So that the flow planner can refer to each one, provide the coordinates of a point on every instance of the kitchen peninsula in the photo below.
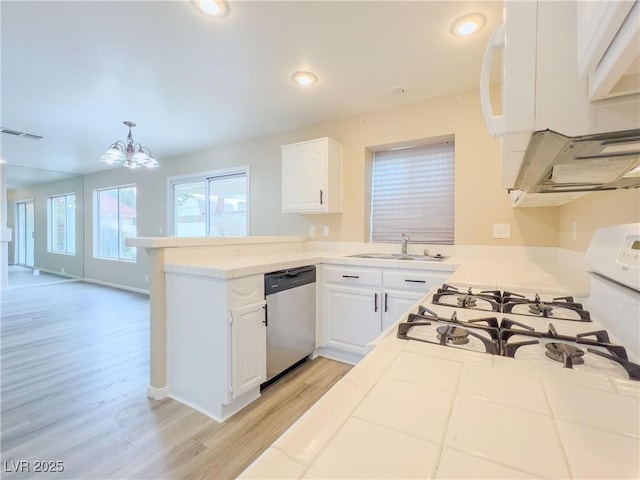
(426, 399)
(225, 259)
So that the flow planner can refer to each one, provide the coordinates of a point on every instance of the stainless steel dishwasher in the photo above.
(291, 317)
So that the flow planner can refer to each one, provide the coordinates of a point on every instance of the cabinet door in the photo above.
(248, 348)
(598, 23)
(395, 304)
(304, 177)
(352, 317)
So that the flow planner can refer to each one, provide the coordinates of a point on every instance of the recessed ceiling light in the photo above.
(215, 8)
(2, 161)
(468, 24)
(304, 78)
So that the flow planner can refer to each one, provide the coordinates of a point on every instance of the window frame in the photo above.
(51, 223)
(369, 175)
(96, 224)
(205, 177)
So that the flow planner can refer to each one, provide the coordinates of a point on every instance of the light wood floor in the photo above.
(21, 277)
(74, 374)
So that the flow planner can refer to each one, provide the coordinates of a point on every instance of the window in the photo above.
(413, 192)
(212, 204)
(115, 220)
(62, 224)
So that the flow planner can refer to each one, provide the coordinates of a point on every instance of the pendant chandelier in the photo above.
(129, 154)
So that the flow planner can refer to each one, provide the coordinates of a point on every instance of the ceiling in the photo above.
(72, 72)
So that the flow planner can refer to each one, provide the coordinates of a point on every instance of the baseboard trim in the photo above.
(55, 272)
(338, 355)
(116, 285)
(157, 393)
(198, 408)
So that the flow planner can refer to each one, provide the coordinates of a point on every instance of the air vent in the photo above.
(15, 133)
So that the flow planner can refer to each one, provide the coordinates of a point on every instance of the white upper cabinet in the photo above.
(609, 47)
(542, 87)
(312, 177)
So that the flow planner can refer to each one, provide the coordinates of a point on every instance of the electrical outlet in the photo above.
(62, 270)
(325, 230)
(312, 231)
(146, 278)
(501, 230)
(574, 230)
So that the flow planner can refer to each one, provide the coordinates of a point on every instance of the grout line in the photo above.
(557, 430)
(446, 429)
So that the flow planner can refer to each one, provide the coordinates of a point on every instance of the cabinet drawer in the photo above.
(245, 290)
(414, 280)
(353, 276)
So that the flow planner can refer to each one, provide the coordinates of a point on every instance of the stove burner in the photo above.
(465, 301)
(558, 351)
(541, 309)
(454, 335)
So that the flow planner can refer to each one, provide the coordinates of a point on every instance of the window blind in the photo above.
(413, 193)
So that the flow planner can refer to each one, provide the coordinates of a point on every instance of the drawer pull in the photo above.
(350, 276)
(386, 302)
(414, 281)
(376, 303)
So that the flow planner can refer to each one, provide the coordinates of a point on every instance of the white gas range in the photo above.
(599, 334)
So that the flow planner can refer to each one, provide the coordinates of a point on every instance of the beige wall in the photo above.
(595, 210)
(480, 200)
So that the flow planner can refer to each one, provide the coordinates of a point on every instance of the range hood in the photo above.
(564, 168)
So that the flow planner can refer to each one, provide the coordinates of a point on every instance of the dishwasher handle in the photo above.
(281, 280)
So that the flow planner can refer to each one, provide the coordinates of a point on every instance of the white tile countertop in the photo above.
(540, 272)
(242, 265)
(415, 410)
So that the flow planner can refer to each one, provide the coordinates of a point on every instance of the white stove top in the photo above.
(534, 354)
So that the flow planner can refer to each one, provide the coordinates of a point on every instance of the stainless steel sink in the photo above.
(400, 256)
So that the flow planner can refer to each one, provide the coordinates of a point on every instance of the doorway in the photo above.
(25, 235)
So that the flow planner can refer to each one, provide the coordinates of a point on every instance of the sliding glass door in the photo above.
(25, 242)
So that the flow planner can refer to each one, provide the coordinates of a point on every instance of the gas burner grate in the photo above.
(452, 334)
(488, 300)
(567, 354)
(563, 308)
(496, 338)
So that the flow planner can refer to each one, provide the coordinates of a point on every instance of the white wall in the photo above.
(72, 264)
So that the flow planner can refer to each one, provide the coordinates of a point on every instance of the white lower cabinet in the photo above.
(353, 317)
(248, 351)
(359, 303)
(216, 341)
(397, 303)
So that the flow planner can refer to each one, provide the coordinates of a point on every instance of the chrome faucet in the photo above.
(403, 242)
